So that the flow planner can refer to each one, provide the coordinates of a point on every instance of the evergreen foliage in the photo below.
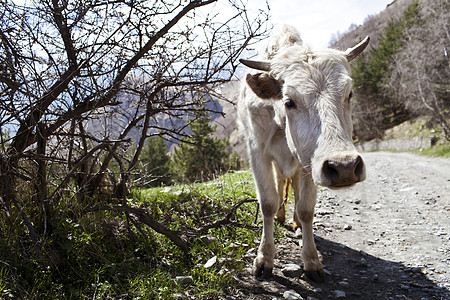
(370, 74)
(156, 162)
(200, 156)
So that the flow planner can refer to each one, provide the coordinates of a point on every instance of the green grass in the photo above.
(100, 254)
(438, 150)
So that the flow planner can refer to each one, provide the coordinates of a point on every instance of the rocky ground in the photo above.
(385, 238)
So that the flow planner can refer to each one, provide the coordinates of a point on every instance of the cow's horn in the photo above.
(256, 64)
(351, 53)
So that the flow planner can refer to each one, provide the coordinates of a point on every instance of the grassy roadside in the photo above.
(421, 127)
(107, 255)
(438, 150)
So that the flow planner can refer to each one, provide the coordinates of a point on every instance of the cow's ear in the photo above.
(264, 86)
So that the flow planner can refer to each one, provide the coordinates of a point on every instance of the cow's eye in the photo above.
(289, 104)
(350, 96)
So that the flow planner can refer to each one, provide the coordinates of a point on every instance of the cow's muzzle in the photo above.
(343, 171)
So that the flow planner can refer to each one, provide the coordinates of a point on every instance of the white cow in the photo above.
(295, 115)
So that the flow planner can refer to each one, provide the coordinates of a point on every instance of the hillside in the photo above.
(226, 126)
(373, 26)
(405, 76)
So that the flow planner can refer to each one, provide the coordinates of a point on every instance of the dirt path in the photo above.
(385, 238)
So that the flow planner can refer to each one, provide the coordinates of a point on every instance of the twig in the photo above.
(145, 218)
(224, 221)
(28, 224)
(256, 214)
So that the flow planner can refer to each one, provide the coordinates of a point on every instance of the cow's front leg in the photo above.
(268, 200)
(306, 191)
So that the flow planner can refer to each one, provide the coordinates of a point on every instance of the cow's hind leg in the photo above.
(268, 200)
(305, 196)
(296, 222)
(280, 181)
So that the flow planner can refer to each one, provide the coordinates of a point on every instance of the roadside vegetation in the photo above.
(438, 150)
(421, 127)
(100, 254)
(153, 244)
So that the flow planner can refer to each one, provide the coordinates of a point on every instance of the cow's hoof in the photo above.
(262, 272)
(316, 275)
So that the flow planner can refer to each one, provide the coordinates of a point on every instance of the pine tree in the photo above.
(155, 162)
(200, 156)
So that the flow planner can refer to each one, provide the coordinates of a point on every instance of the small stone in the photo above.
(375, 207)
(292, 270)
(210, 262)
(179, 296)
(178, 193)
(323, 211)
(317, 290)
(343, 283)
(298, 233)
(184, 280)
(251, 251)
(166, 190)
(405, 287)
(238, 245)
(370, 242)
(291, 295)
(225, 260)
(347, 227)
(339, 294)
(223, 271)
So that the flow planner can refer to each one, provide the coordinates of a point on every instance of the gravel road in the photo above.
(385, 238)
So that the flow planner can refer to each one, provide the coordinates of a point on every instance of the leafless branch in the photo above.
(182, 239)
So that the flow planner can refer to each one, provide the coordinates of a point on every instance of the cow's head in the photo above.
(313, 89)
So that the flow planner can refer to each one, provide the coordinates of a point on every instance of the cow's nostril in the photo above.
(359, 167)
(330, 170)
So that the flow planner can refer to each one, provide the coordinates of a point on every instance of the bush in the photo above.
(109, 255)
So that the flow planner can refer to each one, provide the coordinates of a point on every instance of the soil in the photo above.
(385, 238)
